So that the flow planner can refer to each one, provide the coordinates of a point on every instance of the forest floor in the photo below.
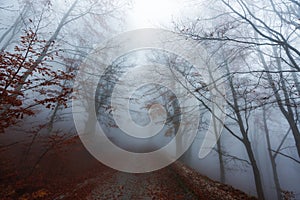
(72, 173)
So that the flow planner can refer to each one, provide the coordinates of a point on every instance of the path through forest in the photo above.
(76, 175)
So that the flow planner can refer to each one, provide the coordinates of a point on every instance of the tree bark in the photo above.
(272, 159)
(221, 162)
(255, 169)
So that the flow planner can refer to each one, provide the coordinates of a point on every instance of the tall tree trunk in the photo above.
(286, 110)
(220, 151)
(245, 140)
(255, 169)
(290, 113)
(221, 161)
(176, 124)
(273, 162)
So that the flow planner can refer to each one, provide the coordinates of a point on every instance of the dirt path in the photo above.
(76, 175)
(163, 184)
(174, 182)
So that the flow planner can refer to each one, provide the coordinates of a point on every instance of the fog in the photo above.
(254, 46)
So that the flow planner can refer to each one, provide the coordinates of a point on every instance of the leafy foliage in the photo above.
(24, 72)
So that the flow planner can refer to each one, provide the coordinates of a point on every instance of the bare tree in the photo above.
(271, 156)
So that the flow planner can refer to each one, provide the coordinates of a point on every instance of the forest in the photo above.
(140, 99)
